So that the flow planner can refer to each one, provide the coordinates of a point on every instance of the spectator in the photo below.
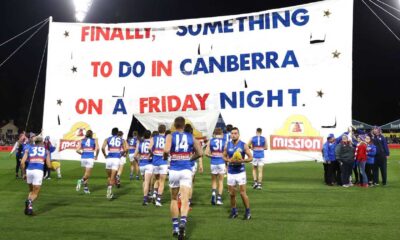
(382, 152)
(361, 159)
(330, 162)
(371, 151)
(345, 155)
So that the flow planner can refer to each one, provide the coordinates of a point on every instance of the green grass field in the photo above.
(294, 204)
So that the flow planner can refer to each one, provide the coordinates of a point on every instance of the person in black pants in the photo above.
(18, 149)
(328, 153)
(382, 152)
(371, 152)
(345, 155)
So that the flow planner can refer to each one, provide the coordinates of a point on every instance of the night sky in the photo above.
(376, 52)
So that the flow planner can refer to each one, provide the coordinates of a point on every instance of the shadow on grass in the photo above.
(53, 205)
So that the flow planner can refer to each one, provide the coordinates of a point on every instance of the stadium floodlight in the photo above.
(81, 9)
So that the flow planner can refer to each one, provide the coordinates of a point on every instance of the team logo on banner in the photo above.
(297, 134)
(71, 139)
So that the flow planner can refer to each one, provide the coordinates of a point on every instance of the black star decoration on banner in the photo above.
(327, 13)
(59, 102)
(320, 93)
(336, 54)
(74, 69)
(66, 34)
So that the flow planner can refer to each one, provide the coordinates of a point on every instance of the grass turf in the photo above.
(294, 204)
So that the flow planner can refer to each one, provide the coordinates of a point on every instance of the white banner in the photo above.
(287, 71)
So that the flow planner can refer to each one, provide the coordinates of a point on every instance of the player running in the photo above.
(189, 129)
(142, 154)
(258, 144)
(89, 149)
(180, 145)
(122, 160)
(157, 145)
(132, 142)
(114, 145)
(215, 150)
(234, 154)
(37, 156)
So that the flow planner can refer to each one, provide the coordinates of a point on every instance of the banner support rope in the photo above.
(398, 38)
(20, 46)
(37, 80)
(9, 40)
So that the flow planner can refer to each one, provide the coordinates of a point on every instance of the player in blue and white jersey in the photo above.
(37, 156)
(122, 161)
(143, 155)
(237, 171)
(89, 149)
(189, 129)
(157, 145)
(215, 150)
(183, 148)
(227, 134)
(113, 157)
(132, 142)
(258, 144)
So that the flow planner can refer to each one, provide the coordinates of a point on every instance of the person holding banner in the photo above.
(89, 151)
(143, 155)
(258, 144)
(183, 148)
(37, 156)
(132, 142)
(234, 155)
(18, 150)
(114, 145)
(157, 145)
(214, 151)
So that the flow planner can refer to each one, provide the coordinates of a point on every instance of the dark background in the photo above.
(376, 52)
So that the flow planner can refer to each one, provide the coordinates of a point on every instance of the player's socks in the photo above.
(58, 172)
(255, 184)
(247, 215)
(183, 220)
(118, 178)
(219, 199)
(155, 194)
(145, 199)
(175, 226)
(78, 185)
(182, 227)
(131, 176)
(213, 196)
(30, 207)
(158, 200)
(234, 213)
(109, 191)
(26, 206)
(137, 177)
